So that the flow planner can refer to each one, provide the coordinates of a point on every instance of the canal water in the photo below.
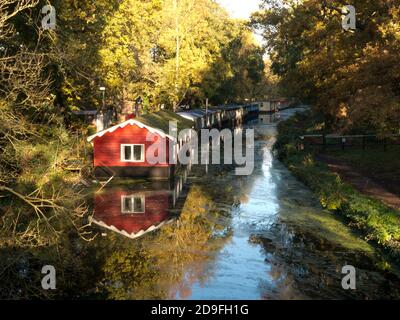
(214, 235)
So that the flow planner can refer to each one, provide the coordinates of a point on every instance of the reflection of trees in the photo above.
(307, 248)
(20, 269)
(16, 276)
(306, 266)
(160, 265)
(169, 262)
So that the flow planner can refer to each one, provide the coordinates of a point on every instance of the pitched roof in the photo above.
(132, 231)
(161, 119)
(189, 115)
(85, 112)
(157, 123)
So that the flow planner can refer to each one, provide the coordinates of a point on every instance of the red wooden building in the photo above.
(131, 214)
(120, 151)
(136, 212)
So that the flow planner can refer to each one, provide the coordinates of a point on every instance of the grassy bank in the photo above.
(378, 222)
(42, 178)
(382, 167)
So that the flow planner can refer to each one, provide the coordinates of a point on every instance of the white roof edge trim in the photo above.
(125, 233)
(130, 122)
(189, 116)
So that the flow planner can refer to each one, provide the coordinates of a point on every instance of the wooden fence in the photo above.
(348, 141)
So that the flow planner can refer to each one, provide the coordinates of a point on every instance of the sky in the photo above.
(242, 9)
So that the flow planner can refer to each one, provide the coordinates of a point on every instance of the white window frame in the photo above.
(142, 158)
(142, 198)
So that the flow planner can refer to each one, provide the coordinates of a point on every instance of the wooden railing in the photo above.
(347, 141)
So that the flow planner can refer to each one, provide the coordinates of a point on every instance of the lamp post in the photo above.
(207, 112)
(138, 105)
(103, 90)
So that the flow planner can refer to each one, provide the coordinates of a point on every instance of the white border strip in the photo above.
(130, 122)
(125, 233)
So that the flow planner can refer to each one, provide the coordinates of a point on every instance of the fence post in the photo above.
(363, 142)
(300, 145)
(324, 141)
(385, 144)
(343, 143)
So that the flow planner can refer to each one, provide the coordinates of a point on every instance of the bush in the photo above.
(378, 222)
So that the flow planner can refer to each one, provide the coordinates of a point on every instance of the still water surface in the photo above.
(214, 235)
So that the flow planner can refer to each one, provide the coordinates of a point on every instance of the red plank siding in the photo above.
(107, 209)
(107, 149)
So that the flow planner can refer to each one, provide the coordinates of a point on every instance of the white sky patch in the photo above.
(242, 9)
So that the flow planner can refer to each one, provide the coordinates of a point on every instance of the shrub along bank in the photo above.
(377, 221)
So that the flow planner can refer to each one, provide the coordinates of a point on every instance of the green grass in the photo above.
(378, 222)
(381, 166)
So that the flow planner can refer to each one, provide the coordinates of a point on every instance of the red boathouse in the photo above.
(131, 214)
(141, 210)
(120, 151)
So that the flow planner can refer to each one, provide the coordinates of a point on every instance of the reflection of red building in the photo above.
(131, 213)
(134, 213)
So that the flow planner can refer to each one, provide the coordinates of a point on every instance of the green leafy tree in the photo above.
(351, 77)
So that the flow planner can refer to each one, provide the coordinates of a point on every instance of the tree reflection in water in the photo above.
(291, 247)
(165, 264)
(162, 263)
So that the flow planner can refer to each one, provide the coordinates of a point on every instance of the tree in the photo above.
(350, 77)
(245, 78)
(129, 53)
(35, 194)
(199, 52)
(75, 52)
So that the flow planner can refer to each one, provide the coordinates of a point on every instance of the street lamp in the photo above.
(207, 112)
(103, 90)
(138, 105)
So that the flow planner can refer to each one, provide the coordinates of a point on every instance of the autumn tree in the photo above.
(175, 52)
(35, 192)
(351, 77)
(75, 51)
